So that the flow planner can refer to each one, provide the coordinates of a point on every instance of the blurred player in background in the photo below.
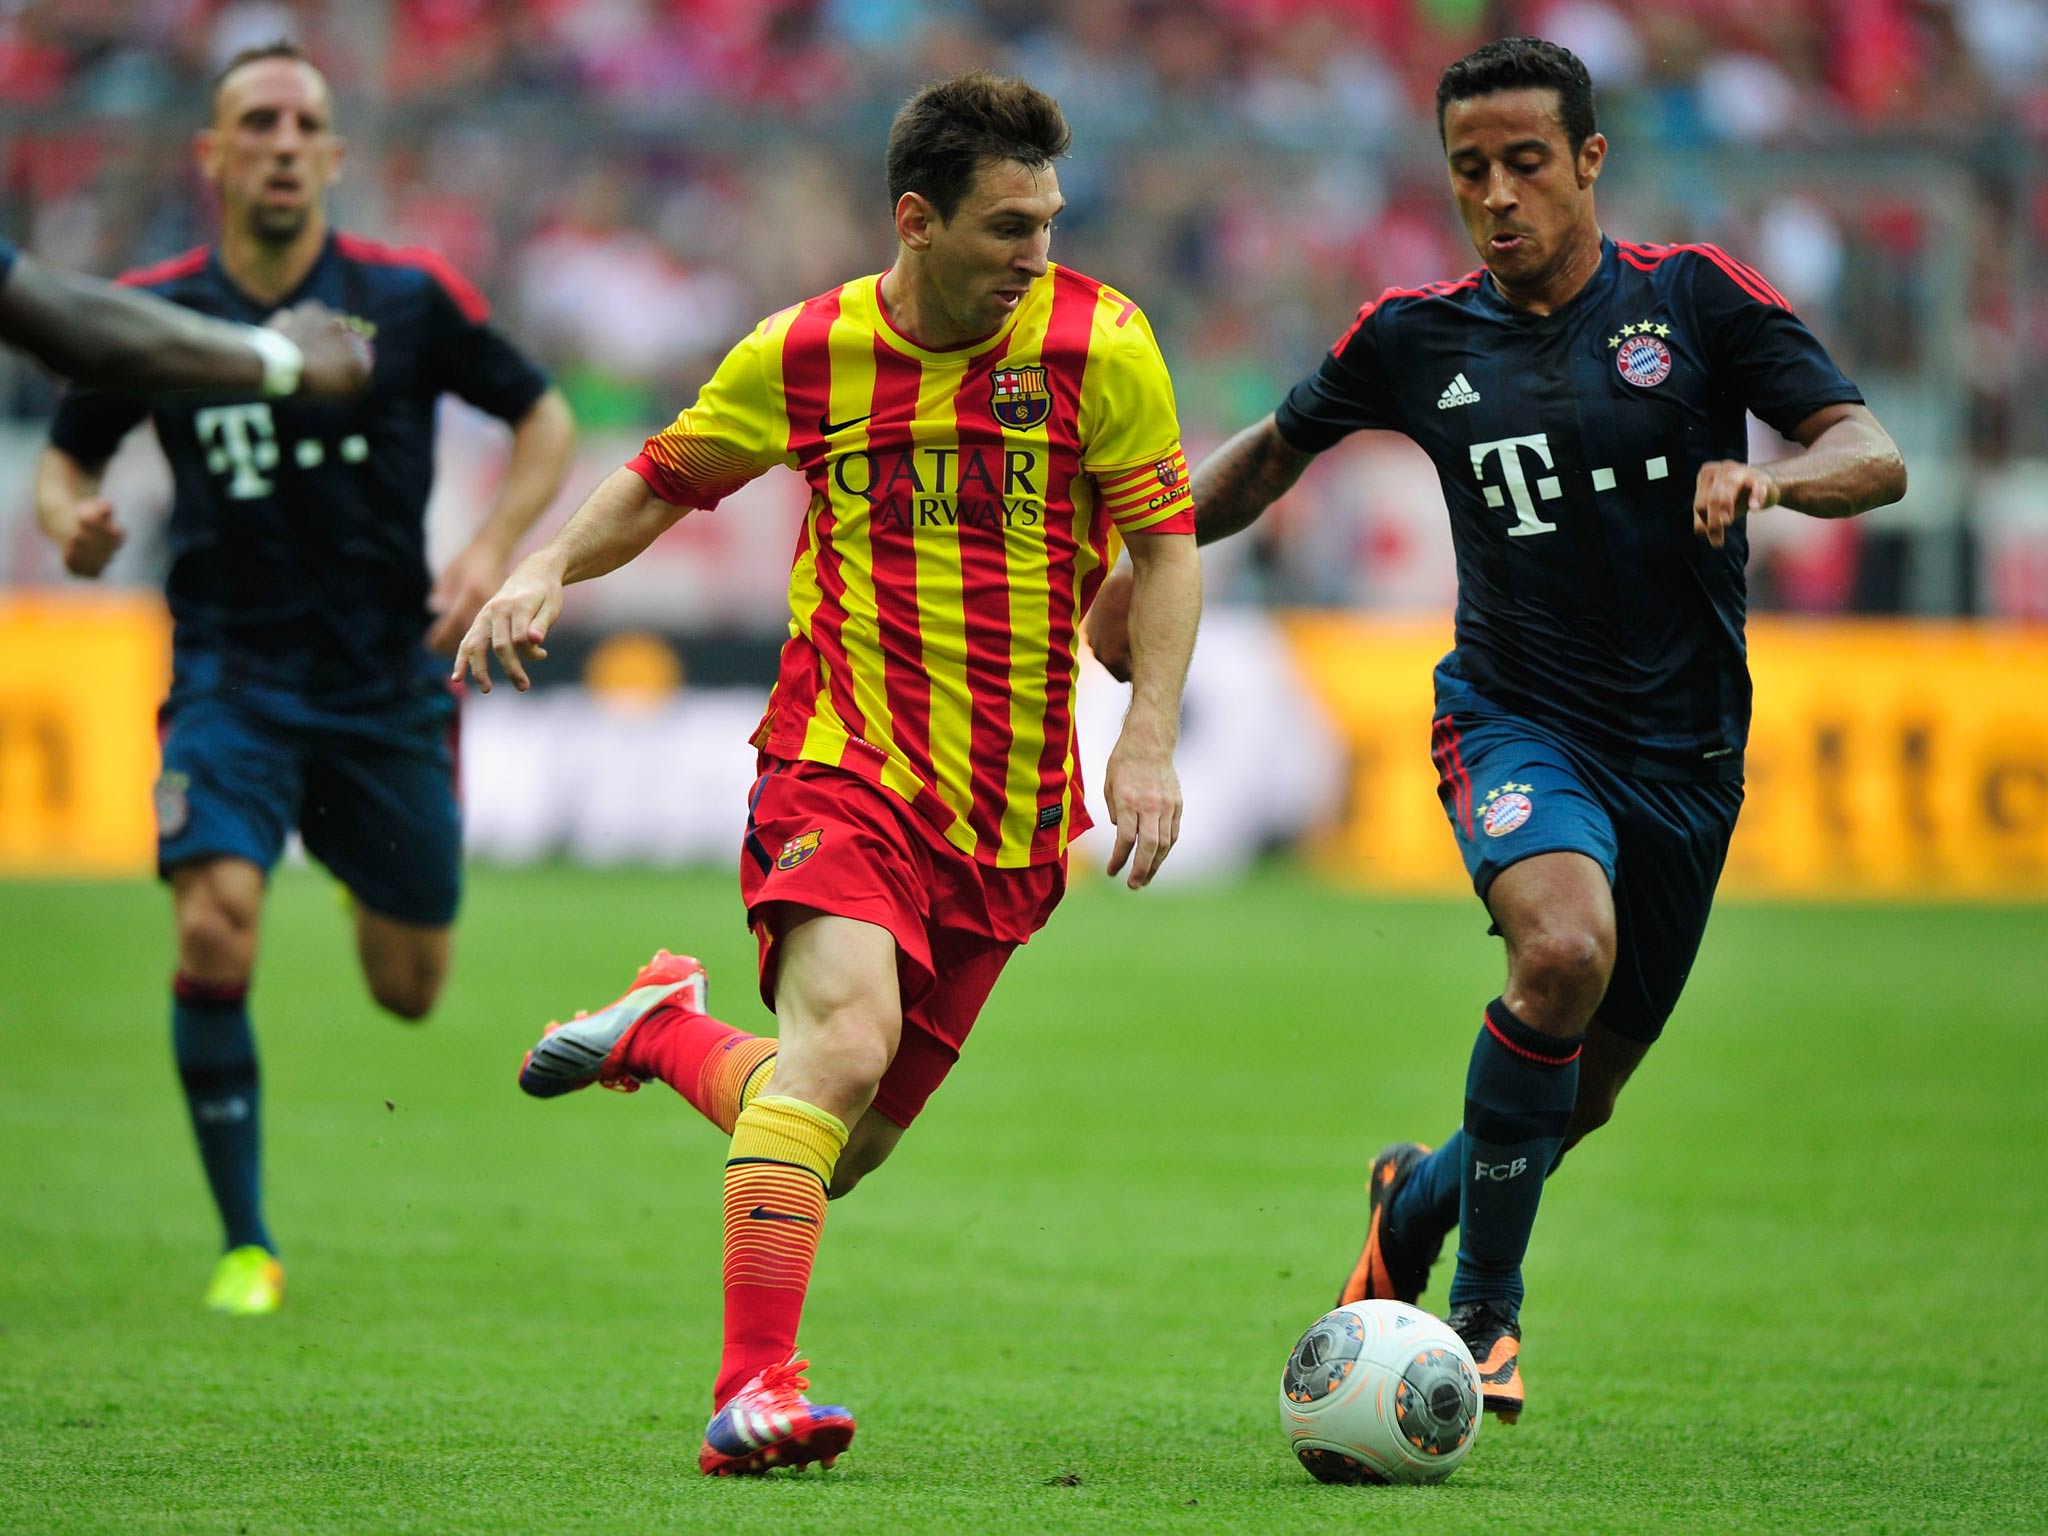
(979, 430)
(302, 694)
(100, 333)
(1583, 401)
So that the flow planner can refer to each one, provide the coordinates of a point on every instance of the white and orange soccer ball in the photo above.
(1380, 1392)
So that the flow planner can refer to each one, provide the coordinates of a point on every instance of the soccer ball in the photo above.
(1380, 1392)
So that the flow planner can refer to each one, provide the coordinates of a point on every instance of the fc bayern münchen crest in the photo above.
(1505, 813)
(1643, 361)
(1020, 397)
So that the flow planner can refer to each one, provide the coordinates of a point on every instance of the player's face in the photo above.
(1526, 199)
(982, 261)
(271, 150)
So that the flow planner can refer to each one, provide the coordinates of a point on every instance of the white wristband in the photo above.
(283, 362)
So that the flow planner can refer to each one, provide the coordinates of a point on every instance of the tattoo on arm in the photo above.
(1242, 478)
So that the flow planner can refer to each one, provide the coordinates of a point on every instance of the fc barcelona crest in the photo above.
(1020, 397)
(798, 848)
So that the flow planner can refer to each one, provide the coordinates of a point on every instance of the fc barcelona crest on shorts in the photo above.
(1020, 397)
(798, 848)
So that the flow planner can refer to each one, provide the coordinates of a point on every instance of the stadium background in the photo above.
(633, 182)
(1786, 1290)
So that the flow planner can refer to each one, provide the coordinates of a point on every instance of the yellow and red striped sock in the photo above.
(783, 1154)
(719, 1069)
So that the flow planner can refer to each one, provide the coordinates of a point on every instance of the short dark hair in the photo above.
(1517, 64)
(276, 48)
(948, 128)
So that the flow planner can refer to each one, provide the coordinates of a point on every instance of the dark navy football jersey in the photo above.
(1569, 445)
(7, 255)
(297, 533)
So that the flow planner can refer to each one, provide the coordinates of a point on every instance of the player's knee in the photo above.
(1561, 974)
(216, 940)
(836, 1061)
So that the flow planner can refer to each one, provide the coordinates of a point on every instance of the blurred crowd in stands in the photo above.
(635, 181)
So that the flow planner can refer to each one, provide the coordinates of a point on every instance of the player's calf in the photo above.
(405, 964)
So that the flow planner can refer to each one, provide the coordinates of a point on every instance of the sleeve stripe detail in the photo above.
(1436, 290)
(659, 481)
(702, 472)
(165, 271)
(466, 295)
(1181, 515)
(1646, 258)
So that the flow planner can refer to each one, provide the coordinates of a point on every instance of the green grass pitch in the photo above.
(1795, 1286)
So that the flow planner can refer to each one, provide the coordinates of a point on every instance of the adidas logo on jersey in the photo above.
(1458, 392)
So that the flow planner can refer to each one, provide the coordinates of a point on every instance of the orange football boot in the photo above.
(591, 1048)
(1383, 1273)
(1494, 1336)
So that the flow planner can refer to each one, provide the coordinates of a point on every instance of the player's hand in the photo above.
(1143, 794)
(512, 625)
(1727, 490)
(95, 537)
(460, 592)
(338, 356)
(1109, 624)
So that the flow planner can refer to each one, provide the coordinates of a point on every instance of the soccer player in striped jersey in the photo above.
(1583, 400)
(980, 431)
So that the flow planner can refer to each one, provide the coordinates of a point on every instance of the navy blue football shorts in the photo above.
(372, 790)
(1514, 789)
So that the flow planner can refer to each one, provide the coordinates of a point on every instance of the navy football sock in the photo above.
(216, 1055)
(1519, 1092)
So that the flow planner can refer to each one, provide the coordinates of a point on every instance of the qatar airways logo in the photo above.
(987, 488)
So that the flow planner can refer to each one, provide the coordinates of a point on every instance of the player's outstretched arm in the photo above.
(1236, 483)
(621, 517)
(541, 440)
(73, 513)
(1232, 487)
(1139, 785)
(1848, 464)
(100, 333)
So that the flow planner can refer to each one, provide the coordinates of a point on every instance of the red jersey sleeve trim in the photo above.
(659, 481)
(467, 297)
(1647, 258)
(1436, 290)
(165, 271)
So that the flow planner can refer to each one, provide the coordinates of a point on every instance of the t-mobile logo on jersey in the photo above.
(1509, 452)
(1547, 487)
(1499, 1173)
(241, 442)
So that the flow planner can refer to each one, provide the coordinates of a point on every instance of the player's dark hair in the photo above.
(948, 128)
(277, 48)
(1523, 64)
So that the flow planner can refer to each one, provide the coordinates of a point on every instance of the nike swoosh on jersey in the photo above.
(827, 428)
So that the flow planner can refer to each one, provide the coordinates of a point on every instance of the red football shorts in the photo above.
(832, 841)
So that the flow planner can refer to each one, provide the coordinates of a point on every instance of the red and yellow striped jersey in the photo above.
(965, 505)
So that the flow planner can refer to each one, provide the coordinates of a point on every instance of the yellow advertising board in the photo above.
(1892, 760)
(1905, 760)
(81, 676)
